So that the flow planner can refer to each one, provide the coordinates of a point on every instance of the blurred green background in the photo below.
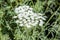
(9, 30)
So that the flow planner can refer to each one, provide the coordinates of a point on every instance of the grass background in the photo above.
(9, 30)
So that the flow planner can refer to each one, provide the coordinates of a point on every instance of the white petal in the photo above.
(17, 21)
(41, 23)
(15, 17)
(28, 26)
(21, 25)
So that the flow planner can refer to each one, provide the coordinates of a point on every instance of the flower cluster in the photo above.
(26, 17)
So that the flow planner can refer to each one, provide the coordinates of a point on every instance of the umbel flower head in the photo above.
(28, 18)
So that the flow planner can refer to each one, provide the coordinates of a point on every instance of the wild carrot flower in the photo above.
(28, 18)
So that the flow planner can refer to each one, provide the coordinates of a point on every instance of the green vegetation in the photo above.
(9, 30)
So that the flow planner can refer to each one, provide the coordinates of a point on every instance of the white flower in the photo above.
(29, 23)
(21, 25)
(15, 17)
(31, 9)
(31, 12)
(35, 15)
(41, 23)
(32, 21)
(28, 20)
(28, 26)
(17, 21)
(20, 18)
(25, 22)
(40, 14)
(42, 18)
(26, 17)
(17, 10)
(20, 22)
(27, 7)
(32, 17)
